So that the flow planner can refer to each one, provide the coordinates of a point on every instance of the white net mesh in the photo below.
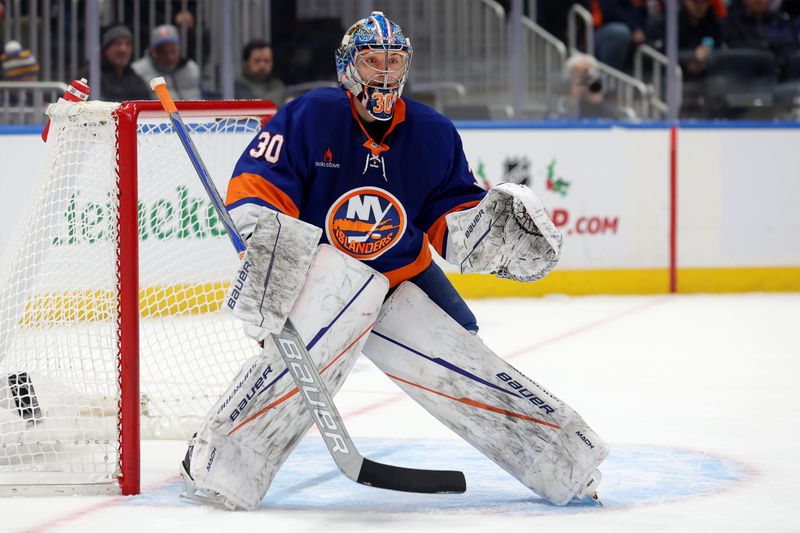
(59, 388)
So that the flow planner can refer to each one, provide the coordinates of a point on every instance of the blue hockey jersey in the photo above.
(380, 201)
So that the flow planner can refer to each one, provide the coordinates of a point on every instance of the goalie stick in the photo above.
(304, 371)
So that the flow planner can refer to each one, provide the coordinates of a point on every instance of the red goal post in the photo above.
(128, 115)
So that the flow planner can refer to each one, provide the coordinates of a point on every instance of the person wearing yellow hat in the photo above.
(19, 64)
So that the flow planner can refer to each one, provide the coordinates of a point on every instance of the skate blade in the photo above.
(206, 498)
(590, 489)
(189, 491)
(596, 499)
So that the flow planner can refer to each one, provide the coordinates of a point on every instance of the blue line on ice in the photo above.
(632, 475)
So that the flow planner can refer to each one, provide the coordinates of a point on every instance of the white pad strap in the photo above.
(519, 425)
(259, 420)
(273, 271)
(509, 233)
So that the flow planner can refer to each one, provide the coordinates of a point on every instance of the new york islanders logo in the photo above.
(365, 222)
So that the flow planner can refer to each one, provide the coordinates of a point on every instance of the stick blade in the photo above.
(391, 477)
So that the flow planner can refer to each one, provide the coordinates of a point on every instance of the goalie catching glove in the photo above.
(508, 234)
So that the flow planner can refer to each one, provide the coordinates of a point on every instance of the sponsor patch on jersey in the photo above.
(327, 160)
(365, 222)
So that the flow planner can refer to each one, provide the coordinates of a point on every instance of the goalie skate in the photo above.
(590, 490)
(190, 490)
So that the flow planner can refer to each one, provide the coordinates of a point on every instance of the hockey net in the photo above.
(110, 320)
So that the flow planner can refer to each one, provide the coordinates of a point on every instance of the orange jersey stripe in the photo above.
(254, 186)
(399, 275)
(478, 404)
(398, 117)
(437, 230)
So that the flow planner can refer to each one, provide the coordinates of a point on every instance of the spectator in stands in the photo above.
(585, 95)
(619, 28)
(720, 8)
(751, 24)
(791, 8)
(19, 64)
(184, 17)
(552, 16)
(257, 81)
(118, 81)
(164, 59)
(699, 33)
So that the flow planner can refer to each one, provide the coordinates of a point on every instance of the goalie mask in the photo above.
(372, 63)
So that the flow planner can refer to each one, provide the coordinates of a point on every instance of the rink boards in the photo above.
(719, 217)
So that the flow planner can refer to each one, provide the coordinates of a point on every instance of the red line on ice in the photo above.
(99, 506)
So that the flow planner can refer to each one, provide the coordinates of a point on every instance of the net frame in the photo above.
(126, 118)
(128, 115)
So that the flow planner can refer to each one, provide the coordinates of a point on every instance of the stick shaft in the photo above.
(197, 162)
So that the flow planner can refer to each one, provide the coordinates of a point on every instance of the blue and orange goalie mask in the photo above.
(373, 62)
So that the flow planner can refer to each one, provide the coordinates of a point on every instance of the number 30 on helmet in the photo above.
(372, 63)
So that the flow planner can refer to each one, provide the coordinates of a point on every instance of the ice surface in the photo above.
(696, 395)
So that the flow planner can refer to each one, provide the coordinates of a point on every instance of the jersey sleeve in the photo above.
(456, 191)
(268, 174)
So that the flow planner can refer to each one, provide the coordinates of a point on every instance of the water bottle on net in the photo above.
(77, 91)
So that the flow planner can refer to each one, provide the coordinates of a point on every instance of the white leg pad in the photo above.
(259, 421)
(526, 430)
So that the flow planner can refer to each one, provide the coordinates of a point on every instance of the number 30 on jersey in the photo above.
(269, 146)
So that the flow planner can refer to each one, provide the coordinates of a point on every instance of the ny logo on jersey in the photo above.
(365, 222)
